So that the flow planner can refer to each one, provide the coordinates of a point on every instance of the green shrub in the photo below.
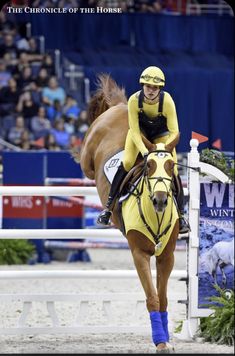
(219, 160)
(15, 251)
(219, 326)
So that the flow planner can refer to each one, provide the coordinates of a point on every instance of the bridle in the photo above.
(138, 193)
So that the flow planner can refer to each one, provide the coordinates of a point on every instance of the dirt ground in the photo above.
(94, 343)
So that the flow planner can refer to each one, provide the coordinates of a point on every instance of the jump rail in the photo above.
(49, 191)
(81, 274)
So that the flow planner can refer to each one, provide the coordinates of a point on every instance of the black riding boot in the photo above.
(183, 223)
(104, 216)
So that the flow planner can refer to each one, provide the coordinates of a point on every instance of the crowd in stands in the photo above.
(36, 111)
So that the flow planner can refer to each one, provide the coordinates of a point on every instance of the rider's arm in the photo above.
(169, 111)
(134, 124)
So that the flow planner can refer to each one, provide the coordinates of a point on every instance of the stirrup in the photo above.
(184, 226)
(104, 217)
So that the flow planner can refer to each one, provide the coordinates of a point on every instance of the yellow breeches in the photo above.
(131, 152)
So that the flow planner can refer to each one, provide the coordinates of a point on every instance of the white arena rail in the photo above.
(49, 191)
(59, 233)
(79, 326)
(81, 274)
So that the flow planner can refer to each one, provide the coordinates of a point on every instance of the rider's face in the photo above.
(151, 91)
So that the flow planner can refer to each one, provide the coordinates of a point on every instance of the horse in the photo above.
(146, 213)
(219, 256)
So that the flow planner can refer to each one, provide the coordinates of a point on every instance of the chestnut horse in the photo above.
(108, 117)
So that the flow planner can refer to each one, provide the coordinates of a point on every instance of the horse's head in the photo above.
(159, 176)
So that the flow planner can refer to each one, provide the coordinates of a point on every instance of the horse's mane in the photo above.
(107, 94)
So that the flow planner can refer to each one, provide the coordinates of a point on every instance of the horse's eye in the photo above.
(161, 155)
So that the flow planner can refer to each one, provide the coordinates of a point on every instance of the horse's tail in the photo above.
(108, 94)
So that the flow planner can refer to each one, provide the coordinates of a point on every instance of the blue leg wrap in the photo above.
(158, 333)
(164, 317)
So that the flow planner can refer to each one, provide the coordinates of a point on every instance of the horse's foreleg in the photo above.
(142, 264)
(142, 250)
(164, 268)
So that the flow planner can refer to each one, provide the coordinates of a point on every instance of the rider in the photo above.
(151, 112)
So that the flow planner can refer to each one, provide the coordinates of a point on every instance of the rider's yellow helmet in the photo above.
(152, 75)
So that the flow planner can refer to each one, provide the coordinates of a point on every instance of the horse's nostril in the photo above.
(165, 202)
(160, 203)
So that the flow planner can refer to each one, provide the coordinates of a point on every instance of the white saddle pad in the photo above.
(111, 166)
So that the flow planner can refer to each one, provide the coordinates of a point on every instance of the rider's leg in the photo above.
(130, 155)
(183, 223)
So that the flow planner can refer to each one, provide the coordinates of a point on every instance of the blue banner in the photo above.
(216, 241)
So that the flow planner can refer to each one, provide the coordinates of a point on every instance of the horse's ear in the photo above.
(170, 146)
(150, 146)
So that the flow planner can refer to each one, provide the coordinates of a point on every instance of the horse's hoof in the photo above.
(169, 349)
(163, 351)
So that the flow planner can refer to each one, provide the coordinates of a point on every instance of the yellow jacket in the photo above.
(151, 110)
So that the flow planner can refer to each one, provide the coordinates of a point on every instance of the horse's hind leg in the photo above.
(142, 250)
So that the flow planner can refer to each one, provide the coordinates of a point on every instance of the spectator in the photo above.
(6, 25)
(62, 137)
(42, 78)
(40, 125)
(23, 61)
(71, 108)
(50, 143)
(69, 125)
(47, 63)
(156, 6)
(52, 92)
(26, 106)
(22, 44)
(55, 111)
(33, 51)
(8, 47)
(15, 132)
(74, 143)
(33, 47)
(25, 140)
(82, 124)
(25, 78)
(5, 75)
(9, 97)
